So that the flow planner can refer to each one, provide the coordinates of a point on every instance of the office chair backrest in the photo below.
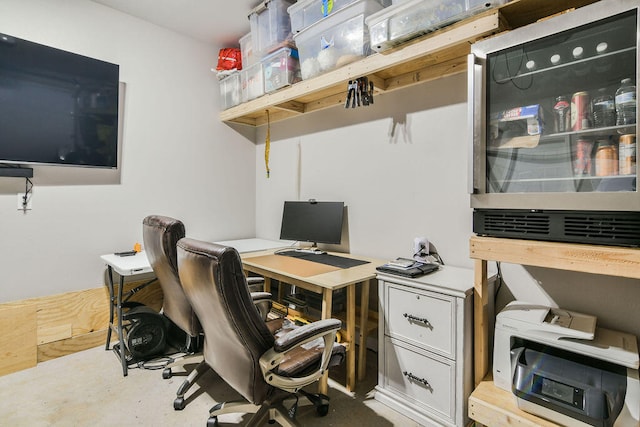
(161, 234)
(235, 335)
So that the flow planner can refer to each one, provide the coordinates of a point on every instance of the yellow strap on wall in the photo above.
(267, 145)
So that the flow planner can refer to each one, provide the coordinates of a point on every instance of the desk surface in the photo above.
(255, 244)
(128, 265)
(309, 272)
(139, 263)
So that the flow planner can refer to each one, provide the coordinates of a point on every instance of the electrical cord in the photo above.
(28, 188)
(499, 281)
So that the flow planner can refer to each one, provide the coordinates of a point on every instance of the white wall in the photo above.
(413, 184)
(396, 187)
(178, 158)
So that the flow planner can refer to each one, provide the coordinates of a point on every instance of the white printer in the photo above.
(561, 367)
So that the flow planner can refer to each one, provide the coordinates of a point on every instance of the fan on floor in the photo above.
(145, 334)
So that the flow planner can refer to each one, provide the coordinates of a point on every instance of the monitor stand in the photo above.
(313, 249)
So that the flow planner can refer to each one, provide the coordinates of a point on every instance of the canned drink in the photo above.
(580, 111)
(582, 157)
(627, 154)
(606, 159)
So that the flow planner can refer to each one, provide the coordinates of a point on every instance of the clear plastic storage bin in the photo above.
(252, 82)
(280, 69)
(246, 50)
(412, 18)
(270, 26)
(230, 92)
(336, 40)
(304, 13)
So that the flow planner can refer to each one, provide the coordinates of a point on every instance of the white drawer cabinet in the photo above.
(425, 340)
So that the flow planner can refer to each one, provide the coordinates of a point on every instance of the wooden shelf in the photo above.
(492, 406)
(595, 259)
(488, 404)
(435, 55)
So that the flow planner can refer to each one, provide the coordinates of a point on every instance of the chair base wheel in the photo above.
(322, 410)
(179, 404)
(166, 373)
(212, 422)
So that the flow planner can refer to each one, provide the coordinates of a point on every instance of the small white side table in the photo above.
(125, 266)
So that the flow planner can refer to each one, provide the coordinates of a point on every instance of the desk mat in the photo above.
(290, 265)
(333, 260)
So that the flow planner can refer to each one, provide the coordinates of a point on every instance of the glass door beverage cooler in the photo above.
(552, 108)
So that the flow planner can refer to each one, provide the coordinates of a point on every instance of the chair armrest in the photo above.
(263, 302)
(271, 359)
(256, 284)
(305, 333)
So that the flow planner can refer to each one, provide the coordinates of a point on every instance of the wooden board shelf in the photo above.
(435, 55)
(492, 406)
(489, 405)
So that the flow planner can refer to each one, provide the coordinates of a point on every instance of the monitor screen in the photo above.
(56, 107)
(311, 221)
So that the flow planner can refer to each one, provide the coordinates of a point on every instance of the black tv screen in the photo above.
(316, 222)
(56, 107)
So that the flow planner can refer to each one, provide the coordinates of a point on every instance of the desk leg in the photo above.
(351, 333)
(120, 332)
(327, 302)
(112, 299)
(364, 327)
(267, 284)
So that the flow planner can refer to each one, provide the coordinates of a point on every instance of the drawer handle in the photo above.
(413, 318)
(410, 376)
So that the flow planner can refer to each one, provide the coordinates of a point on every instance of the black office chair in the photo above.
(239, 346)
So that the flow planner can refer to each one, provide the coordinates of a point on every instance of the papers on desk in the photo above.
(407, 268)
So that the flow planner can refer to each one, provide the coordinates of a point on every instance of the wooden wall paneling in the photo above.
(45, 328)
(17, 337)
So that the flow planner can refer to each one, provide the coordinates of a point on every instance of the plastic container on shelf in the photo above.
(246, 50)
(270, 26)
(336, 40)
(304, 13)
(626, 103)
(230, 92)
(412, 18)
(252, 82)
(280, 69)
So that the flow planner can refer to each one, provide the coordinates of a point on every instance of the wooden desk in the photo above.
(324, 279)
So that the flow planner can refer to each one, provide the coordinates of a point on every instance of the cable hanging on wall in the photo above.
(267, 145)
(28, 189)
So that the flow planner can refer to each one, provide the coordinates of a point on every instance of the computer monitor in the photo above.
(312, 221)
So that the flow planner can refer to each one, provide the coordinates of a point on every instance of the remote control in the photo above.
(127, 253)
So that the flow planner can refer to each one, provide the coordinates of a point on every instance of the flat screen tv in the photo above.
(56, 107)
(312, 221)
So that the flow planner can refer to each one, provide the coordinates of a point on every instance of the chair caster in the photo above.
(212, 422)
(166, 373)
(322, 410)
(179, 404)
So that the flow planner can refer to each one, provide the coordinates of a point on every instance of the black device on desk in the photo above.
(408, 268)
(315, 222)
(312, 221)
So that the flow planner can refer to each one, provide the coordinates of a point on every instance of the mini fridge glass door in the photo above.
(553, 108)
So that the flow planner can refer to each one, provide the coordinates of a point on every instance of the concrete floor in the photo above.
(88, 389)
